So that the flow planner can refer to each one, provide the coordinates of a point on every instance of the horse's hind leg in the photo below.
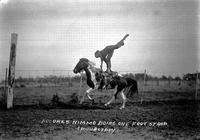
(124, 99)
(127, 91)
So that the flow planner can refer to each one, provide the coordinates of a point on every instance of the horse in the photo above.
(97, 79)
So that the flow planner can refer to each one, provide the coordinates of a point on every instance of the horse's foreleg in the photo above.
(110, 101)
(86, 94)
(124, 99)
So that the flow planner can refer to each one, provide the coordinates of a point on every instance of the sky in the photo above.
(54, 35)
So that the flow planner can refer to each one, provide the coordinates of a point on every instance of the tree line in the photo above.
(137, 76)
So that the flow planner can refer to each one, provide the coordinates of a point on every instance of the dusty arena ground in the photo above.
(157, 113)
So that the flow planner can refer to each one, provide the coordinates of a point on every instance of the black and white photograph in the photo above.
(99, 70)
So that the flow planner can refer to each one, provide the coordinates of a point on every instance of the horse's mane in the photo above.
(95, 69)
(91, 65)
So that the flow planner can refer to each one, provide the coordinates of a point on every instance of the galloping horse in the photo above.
(95, 77)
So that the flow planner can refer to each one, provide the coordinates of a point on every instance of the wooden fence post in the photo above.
(145, 82)
(70, 80)
(197, 84)
(169, 82)
(11, 71)
(157, 82)
(143, 86)
(179, 82)
(5, 86)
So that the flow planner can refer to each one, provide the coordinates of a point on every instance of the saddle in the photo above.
(107, 79)
(109, 74)
(105, 76)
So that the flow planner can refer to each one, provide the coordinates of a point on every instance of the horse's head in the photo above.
(82, 64)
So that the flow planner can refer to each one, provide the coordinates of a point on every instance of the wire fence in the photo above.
(69, 73)
(33, 86)
(145, 78)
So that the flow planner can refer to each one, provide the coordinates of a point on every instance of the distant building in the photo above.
(191, 76)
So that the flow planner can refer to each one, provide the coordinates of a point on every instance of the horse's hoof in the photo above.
(122, 108)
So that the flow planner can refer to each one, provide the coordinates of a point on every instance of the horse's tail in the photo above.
(133, 87)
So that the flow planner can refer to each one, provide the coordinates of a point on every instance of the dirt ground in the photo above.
(159, 115)
(169, 120)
